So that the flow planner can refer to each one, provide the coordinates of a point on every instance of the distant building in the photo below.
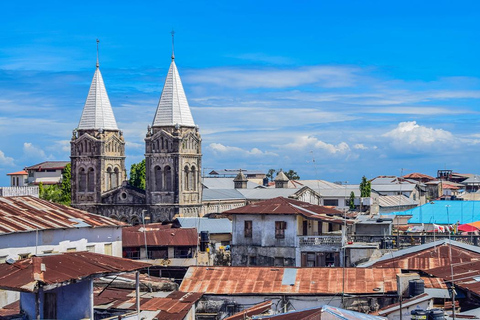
(47, 172)
(18, 179)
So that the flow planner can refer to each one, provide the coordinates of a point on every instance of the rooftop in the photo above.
(252, 311)
(27, 214)
(224, 183)
(157, 234)
(58, 165)
(285, 206)
(23, 173)
(466, 274)
(222, 225)
(49, 271)
(295, 281)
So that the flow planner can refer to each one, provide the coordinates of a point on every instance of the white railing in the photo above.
(319, 240)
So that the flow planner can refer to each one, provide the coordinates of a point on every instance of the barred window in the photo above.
(280, 227)
(248, 229)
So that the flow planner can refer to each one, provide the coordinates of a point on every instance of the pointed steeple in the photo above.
(173, 106)
(97, 112)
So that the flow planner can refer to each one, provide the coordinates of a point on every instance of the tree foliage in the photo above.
(59, 193)
(271, 174)
(291, 174)
(351, 201)
(365, 188)
(137, 175)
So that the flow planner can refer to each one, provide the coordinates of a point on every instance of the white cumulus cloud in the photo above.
(4, 160)
(222, 149)
(305, 142)
(411, 134)
(32, 151)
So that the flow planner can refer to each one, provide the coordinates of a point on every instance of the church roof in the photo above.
(173, 106)
(97, 112)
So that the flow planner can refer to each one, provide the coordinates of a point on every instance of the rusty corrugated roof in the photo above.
(175, 306)
(281, 205)
(432, 257)
(417, 175)
(27, 213)
(158, 235)
(30, 274)
(252, 311)
(297, 281)
(465, 275)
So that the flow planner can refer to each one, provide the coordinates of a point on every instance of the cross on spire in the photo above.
(97, 53)
(173, 44)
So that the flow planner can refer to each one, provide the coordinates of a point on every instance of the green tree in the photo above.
(271, 174)
(292, 175)
(365, 188)
(58, 193)
(351, 202)
(137, 175)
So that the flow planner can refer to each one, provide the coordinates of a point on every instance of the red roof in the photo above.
(173, 307)
(27, 213)
(429, 258)
(30, 274)
(417, 175)
(252, 311)
(23, 173)
(158, 235)
(295, 281)
(286, 206)
(465, 275)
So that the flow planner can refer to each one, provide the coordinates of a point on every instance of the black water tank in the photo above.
(419, 314)
(204, 236)
(436, 314)
(416, 287)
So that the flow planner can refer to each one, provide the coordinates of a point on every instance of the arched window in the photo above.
(193, 179)
(186, 179)
(158, 178)
(168, 178)
(108, 179)
(82, 180)
(163, 143)
(91, 180)
(115, 178)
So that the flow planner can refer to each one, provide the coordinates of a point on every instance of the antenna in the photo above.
(97, 53)
(173, 44)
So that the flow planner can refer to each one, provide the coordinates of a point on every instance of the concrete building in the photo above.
(18, 179)
(287, 232)
(47, 172)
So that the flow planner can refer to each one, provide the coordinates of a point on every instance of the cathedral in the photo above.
(173, 158)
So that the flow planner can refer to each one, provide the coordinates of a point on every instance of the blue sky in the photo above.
(334, 90)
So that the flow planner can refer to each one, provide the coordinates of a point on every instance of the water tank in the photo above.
(416, 287)
(436, 314)
(204, 236)
(419, 314)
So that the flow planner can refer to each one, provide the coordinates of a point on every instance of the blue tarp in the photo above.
(444, 212)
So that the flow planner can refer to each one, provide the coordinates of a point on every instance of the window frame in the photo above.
(248, 232)
(280, 227)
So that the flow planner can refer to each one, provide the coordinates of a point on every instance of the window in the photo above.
(248, 228)
(157, 253)
(280, 227)
(91, 248)
(279, 262)
(330, 202)
(107, 249)
(3, 259)
(252, 261)
(131, 253)
(183, 252)
(71, 249)
(47, 251)
(23, 255)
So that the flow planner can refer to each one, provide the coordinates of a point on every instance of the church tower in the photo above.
(97, 149)
(173, 154)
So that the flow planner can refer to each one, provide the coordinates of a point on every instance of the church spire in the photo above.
(173, 106)
(173, 44)
(97, 112)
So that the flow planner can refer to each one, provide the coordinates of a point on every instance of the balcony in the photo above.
(320, 241)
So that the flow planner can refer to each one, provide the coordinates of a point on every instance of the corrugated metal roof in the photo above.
(221, 194)
(473, 180)
(97, 112)
(252, 311)
(395, 201)
(48, 165)
(173, 307)
(426, 256)
(287, 206)
(173, 105)
(268, 280)
(417, 175)
(224, 183)
(465, 275)
(158, 235)
(436, 212)
(213, 226)
(268, 193)
(27, 213)
(30, 274)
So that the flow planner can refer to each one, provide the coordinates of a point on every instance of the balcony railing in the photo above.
(319, 240)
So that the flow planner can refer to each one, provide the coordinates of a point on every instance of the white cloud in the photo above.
(410, 134)
(31, 151)
(360, 146)
(4, 160)
(219, 148)
(305, 142)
